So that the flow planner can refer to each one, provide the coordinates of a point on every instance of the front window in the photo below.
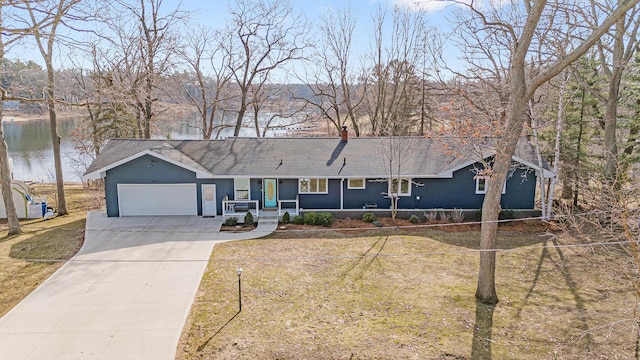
(356, 183)
(312, 186)
(481, 185)
(400, 187)
(241, 188)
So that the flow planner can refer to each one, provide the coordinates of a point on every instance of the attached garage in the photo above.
(157, 199)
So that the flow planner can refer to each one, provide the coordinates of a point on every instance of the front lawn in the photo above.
(410, 296)
(28, 259)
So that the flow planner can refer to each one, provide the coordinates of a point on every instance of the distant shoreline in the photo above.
(16, 116)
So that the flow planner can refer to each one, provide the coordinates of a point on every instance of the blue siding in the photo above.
(457, 192)
(372, 193)
(138, 171)
(224, 187)
(331, 200)
(287, 189)
(256, 190)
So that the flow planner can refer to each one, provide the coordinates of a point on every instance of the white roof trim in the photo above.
(545, 173)
(449, 172)
(102, 172)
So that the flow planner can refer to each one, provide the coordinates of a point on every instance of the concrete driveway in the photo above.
(125, 295)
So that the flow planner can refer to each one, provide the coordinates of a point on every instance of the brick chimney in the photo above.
(345, 134)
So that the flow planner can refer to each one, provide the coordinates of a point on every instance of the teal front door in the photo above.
(270, 191)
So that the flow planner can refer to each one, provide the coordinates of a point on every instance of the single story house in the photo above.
(277, 175)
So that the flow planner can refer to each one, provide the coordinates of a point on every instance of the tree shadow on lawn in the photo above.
(553, 247)
(57, 243)
(505, 239)
(465, 235)
(482, 330)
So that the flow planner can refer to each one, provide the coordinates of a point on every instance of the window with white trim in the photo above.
(356, 183)
(312, 186)
(403, 190)
(242, 188)
(481, 185)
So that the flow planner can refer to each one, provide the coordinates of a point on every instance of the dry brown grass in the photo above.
(311, 297)
(26, 260)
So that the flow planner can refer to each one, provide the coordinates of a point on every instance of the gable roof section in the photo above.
(525, 154)
(113, 155)
(299, 157)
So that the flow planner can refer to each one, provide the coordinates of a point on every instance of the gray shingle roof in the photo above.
(307, 157)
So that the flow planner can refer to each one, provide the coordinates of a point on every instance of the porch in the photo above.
(239, 208)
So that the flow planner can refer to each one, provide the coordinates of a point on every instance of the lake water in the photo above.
(30, 147)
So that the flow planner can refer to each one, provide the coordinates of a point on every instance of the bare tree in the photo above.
(5, 171)
(282, 111)
(45, 18)
(337, 91)
(265, 36)
(394, 88)
(108, 113)
(615, 50)
(511, 33)
(210, 95)
(395, 152)
(143, 50)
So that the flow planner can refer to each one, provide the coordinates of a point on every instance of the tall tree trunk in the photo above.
(576, 183)
(148, 103)
(620, 57)
(505, 147)
(556, 148)
(241, 111)
(256, 122)
(47, 55)
(5, 172)
(611, 125)
(55, 138)
(53, 125)
(520, 92)
(535, 124)
(7, 193)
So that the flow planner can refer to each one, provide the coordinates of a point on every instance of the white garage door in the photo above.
(157, 199)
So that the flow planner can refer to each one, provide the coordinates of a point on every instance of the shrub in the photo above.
(310, 218)
(298, 220)
(414, 219)
(248, 218)
(368, 217)
(444, 217)
(314, 218)
(232, 221)
(324, 219)
(286, 218)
